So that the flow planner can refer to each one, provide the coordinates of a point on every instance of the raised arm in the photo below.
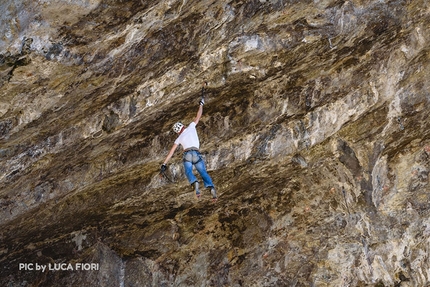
(201, 104)
(199, 114)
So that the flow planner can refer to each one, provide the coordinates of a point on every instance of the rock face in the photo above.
(315, 131)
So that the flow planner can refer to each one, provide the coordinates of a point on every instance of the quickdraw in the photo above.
(163, 174)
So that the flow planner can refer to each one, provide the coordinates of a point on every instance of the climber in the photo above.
(188, 138)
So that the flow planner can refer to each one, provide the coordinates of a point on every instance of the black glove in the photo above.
(163, 167)
(202, 102)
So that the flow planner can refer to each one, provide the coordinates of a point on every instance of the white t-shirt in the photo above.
(189, 138)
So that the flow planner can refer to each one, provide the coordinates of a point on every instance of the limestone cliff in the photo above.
(315, 131)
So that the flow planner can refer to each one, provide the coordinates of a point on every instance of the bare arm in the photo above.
(169, 156)
(199, 114)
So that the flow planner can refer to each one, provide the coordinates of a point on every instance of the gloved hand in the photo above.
(202, 102)
(163, 167)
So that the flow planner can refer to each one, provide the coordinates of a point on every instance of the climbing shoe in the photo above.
(213, 192)
(196, 188)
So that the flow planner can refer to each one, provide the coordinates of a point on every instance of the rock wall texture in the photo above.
(315, 131)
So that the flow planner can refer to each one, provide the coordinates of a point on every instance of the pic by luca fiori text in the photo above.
(59, 267)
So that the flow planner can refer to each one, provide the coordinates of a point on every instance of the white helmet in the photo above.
(178, 127)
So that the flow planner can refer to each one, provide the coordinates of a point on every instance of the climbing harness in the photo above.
(192, 155)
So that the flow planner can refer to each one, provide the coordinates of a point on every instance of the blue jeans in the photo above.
(193, 157)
